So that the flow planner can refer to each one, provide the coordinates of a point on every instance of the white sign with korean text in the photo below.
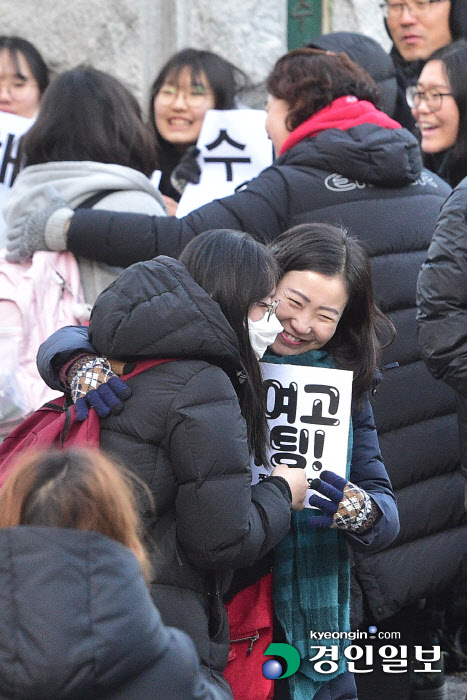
(12, 128)
(308, 410)
(234, 148)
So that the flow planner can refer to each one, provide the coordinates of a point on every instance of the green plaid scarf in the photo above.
(312, 577)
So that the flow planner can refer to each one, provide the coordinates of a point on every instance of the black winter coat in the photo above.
(442, 303)
(77, 621)
(370, 180)
(183, 434)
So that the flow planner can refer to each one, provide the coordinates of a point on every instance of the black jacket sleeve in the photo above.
(59, 348)
(442, 295)
(261, 208)
(222, 521)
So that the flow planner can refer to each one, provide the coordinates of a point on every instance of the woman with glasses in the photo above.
(439, 105)
(417, 29)
(23, 76)
(191, 82)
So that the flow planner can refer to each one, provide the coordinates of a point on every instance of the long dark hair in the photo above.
(363, 330)
(310, 79)
(225, 80)
(237, 271)
(454, 58)
(37, 65)
(89, 115)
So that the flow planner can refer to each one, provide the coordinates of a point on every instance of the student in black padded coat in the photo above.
(76, 616)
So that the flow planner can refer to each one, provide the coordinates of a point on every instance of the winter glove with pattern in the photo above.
(348, 508)
(94, 384)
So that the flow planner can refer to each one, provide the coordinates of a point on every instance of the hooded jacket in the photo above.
(77, 621)
(370, 179)
(183, 434)
(125, 189)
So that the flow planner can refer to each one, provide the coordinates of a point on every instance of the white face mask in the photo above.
(263, 332)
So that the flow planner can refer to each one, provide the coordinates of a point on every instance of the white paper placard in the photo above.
(234, 148)
(308, 411)
(12, 128)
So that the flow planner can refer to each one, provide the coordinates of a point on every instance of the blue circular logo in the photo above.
(372, 629)
(272, 669)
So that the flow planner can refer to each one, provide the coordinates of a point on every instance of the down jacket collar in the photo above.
(75, 614)
(367, 152)
(156, 309)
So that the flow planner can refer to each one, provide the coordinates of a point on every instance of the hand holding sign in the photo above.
(308, 411)
(297, 482)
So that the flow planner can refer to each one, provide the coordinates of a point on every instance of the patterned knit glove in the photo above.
(349, 508)
(93, 384)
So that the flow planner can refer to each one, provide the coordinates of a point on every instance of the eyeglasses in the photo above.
(417, 8)
(194, 97)
(271, 308)
(432, 98)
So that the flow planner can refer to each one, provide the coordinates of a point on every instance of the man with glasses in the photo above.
(417, 28)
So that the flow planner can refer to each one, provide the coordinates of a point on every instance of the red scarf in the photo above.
(343, 113)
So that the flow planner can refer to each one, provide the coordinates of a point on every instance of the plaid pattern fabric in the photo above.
(356, 512)
(88, 373)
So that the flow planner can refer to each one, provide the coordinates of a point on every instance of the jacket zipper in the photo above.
(252, 640)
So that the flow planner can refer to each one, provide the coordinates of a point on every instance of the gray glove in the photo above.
(42, 230)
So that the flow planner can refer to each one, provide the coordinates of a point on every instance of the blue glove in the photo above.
(106, 399)
(94, 385)
(348, 508)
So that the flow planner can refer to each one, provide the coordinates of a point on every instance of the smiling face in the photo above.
(438, 129)
(180, 106)
(19, 91)
(311, 305)
(417, 37)
(276, 122)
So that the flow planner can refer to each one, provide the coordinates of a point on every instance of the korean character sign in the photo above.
(12, 128)
(308, 410)
(234, 148)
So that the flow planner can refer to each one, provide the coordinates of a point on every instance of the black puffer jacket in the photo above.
(183, 434)
(77, 621)
(369, 179)
(442, 303)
